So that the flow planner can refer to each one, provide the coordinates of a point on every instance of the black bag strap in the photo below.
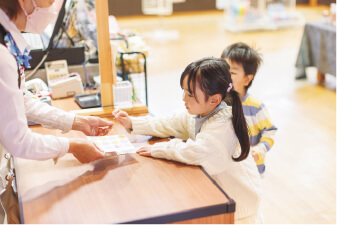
(3, 33)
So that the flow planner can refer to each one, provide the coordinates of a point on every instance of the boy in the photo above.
(244, 63)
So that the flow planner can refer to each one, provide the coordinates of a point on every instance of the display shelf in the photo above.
(107, 66)
(251, 15)
(126, 74)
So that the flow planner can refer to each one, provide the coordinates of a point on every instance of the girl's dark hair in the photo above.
(214, 77)
(11, 8)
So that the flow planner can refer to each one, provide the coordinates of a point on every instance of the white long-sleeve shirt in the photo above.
(16, 108)
(212, 148)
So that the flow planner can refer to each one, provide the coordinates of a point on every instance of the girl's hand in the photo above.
(123, 118)
(92, 125)
(145, 150)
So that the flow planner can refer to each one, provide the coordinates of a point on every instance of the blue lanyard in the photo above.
(21, 59)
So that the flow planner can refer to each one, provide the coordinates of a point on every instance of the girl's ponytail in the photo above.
(240, 126)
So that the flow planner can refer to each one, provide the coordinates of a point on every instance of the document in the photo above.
(113, 143)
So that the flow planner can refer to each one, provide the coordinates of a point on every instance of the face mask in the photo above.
(40, 18)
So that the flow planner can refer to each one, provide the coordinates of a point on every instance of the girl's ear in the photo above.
(248, 79)
(216, 99)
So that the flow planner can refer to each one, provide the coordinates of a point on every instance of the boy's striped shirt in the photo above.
(261, 128)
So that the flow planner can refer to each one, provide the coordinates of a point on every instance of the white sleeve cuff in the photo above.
(64, 143)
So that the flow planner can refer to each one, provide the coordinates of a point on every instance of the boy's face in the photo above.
(240, 79)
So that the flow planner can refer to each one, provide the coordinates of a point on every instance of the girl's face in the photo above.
(194, 107)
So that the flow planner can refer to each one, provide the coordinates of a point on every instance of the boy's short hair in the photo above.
(245, 55)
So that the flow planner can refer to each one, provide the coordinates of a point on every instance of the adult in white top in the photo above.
(17, 105)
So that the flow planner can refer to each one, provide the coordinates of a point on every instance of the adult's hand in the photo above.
(92, 125)
(85, 150)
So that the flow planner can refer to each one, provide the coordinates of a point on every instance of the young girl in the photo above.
(215, 131)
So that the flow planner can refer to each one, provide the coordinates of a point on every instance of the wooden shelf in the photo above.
(106, 111)
(70, 105)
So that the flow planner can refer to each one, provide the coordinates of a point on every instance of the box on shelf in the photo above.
(123, 94)
(60, 82)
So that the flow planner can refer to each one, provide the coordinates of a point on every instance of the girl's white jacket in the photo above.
(212, 148)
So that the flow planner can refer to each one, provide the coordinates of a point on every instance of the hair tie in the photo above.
(230, 87)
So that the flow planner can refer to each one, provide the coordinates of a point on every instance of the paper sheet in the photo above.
(114, 143)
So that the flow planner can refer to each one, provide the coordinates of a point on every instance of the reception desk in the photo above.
(118, 189)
